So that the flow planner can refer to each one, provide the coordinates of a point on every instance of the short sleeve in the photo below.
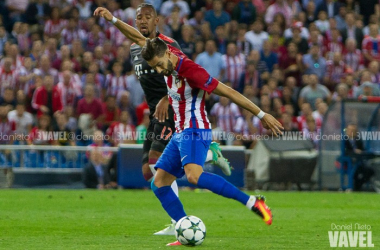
(196, 76)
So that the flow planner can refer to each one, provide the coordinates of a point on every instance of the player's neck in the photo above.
(174, 59)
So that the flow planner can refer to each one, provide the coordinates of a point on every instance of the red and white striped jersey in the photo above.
(114, 34)
(235, 65)
(69, 93)
(354, 60)
(335, 72)
(186, 89)
(74, 78)
(22, 71)
(53, 28)
(120, 132)
(95, 40)
(226, 116)
(68, 36)
(7, 128)
(7, 79)
(115, 84)
(331, 48)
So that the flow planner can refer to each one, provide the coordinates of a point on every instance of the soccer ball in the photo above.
(190, 230)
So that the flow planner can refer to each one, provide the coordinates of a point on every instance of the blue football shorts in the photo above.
(189, 146)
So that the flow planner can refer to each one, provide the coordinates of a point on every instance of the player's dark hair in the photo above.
(153, 47)
(147, 5)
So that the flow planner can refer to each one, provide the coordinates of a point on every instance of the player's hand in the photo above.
(161, 113)
(269, 122)
(103, 12)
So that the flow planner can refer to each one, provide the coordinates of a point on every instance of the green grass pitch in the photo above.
(84, 219)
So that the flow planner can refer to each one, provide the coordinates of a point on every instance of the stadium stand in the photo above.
(293, 58)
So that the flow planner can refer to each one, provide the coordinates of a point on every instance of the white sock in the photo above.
(175, 188)
(251, 202)
(151, 166)
(209, 156)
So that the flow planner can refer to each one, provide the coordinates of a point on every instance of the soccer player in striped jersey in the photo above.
(154, 86)
(187, 85)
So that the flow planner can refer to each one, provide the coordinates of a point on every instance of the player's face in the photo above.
(146, 21)
(162, 65)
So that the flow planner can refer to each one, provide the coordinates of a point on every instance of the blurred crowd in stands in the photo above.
(64, 70)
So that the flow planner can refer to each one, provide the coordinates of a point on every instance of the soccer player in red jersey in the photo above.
(187, 85)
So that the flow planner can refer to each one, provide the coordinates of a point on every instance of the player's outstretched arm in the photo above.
(128, 31)
(268, 121)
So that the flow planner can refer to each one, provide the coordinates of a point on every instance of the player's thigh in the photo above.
(193, 171)
(194, 145)
(170, 160)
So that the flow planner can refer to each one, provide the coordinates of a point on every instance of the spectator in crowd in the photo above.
(112, 112)
(331, 7)
(175, 23)
(235, 64)
(217, 16)
(69, 91)
(8, 98)
(341, 92)
(54, 26)
(91, 105)
(115, 82)
(95, 174)
(353, 57)
(7, 75)
(186, 42)
(37, 12)
(268, 56)
(37, 136)
(249, 77)
(280, 6)
(311, 131)
(313, 91)
(121, 131)
(46, 69)
(370, 46)
(257, 35)
(353, 147)
(22, 119)
(244, 12)
(351, 31)
(47, 99)
(212, 61)
(335, 70)
(221, 39)
(167, 7)
(322, 23)
(314, 63)
(225, 114)
(297, 38)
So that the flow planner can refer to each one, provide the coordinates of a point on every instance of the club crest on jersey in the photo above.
(178, 82)
(174, 95)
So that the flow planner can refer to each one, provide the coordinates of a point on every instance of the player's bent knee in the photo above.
(192, 178)
(193, 172)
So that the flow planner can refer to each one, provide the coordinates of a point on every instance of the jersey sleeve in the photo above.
(196, 76)
(175, 44)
